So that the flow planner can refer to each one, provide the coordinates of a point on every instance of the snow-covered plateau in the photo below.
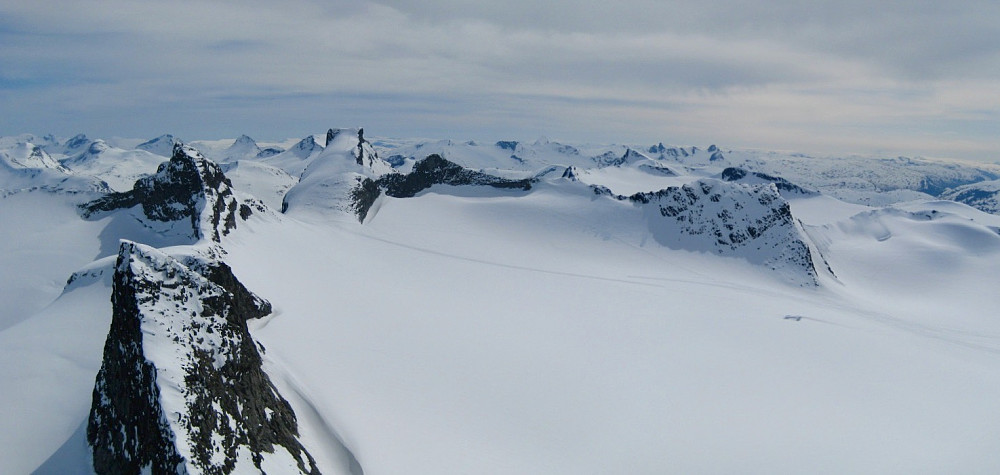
(346, 304)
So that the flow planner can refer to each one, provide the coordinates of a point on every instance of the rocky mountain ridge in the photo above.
(181, 388)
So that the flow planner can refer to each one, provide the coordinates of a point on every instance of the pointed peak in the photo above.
(245, 139)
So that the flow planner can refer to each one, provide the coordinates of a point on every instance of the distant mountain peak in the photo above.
(187, 187)
(245, 140)
(162, 145)
(244, 147)
(77, 142)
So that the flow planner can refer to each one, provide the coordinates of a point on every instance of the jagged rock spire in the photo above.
(181, 388)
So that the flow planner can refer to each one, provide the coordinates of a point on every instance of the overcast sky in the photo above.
(914, 77)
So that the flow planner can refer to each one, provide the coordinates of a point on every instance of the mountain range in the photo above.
(346, 303)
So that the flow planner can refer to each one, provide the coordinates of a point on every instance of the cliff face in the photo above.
(181, 388)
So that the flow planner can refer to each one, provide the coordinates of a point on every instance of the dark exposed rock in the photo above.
(570, 174)
(77, 142)
(433, 170)
(181, 388)
(188, 187)
(752, 222)
(507, 145)
(733, 174)
(269, 152)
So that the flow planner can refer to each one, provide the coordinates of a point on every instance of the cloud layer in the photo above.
(907, 77)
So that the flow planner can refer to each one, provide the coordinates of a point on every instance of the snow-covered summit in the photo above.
(244, 147)
(162, 145)
(332, 177)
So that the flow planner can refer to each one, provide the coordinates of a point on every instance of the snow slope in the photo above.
(525, 335)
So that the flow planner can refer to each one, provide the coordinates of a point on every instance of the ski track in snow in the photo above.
(962, 338)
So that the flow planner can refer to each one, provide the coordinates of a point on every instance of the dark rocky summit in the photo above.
(189, 187)
(181, 388)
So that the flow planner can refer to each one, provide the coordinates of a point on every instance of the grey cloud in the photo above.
(711, 70)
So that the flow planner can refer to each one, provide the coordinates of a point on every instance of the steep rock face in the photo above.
(433, 170)
(181, 389)
(750, 222)
(188, 187)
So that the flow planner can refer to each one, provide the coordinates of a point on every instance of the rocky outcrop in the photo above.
(750, 222)
(433, 170)
(181, 388)
(189, 188)
(507, 145)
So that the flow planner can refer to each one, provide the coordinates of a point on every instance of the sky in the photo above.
(913, 78)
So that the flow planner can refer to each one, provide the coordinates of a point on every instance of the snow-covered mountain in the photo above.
(437, 306)
(162, 145)
(983, 195)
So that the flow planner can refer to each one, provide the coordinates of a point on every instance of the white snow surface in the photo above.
(473, 330)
